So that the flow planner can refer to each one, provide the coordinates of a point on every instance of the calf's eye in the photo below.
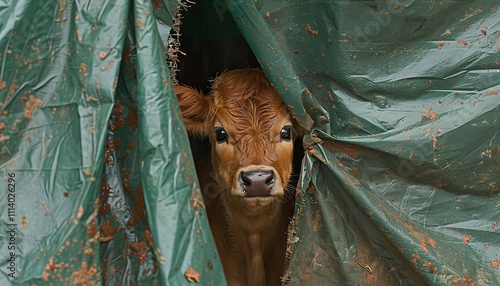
(286, 133)
(221, 135)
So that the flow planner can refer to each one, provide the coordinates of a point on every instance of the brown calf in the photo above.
(251, 133)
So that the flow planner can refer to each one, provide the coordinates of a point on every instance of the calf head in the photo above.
(251, 133)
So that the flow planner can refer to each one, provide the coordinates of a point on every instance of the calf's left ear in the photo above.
(195, 109)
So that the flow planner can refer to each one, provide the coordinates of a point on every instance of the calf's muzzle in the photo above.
(257, 183)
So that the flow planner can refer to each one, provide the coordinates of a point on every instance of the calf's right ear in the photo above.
(195, 109)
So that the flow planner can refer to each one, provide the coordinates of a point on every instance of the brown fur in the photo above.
(250, 233)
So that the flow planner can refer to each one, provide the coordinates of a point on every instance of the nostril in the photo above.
(245, 180)
(270, 180)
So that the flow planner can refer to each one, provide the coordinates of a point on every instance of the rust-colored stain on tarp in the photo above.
(466, 239)
(25, 222)
(138, 23)
(349, 149)
(192, 275)
(109, 149)
(429, 114)
(157, 251)
(84, 275)
(104, 207)
(118, 112)
(347, 154)
(462, 281)
(108, 231)
(310, 189)
(139, 206)
(494, 264)
(495, 224)
(4, 138)
(92, 229)
(30, 106)
(311, 30)
(132, 144)
(492, 152)
(156, 4)
(425, 240)
(139, 248)
(318, 222)
(51, 267)
(12, 89)
(131, 118)
(83, 69)
(431, 266)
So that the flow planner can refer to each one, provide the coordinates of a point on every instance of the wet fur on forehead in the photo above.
(245, 102)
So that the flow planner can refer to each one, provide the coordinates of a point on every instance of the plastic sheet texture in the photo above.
(400, 181)
(105, 187)
(401, 176)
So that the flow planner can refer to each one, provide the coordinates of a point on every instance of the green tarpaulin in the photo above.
(400, 180)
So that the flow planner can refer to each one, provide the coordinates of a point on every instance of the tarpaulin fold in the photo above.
(400, 180)
(106, 192)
